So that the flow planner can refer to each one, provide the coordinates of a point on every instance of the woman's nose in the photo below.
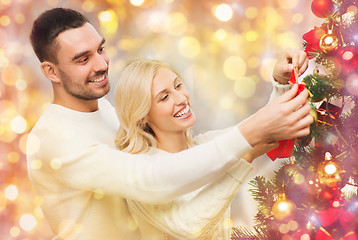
(180, 98)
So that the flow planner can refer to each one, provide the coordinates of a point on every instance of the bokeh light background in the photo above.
(224, 50)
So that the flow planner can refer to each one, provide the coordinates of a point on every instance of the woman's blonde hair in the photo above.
(133, 100)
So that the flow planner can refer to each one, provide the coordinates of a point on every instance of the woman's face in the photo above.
(170, 110)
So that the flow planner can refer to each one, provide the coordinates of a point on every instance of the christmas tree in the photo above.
(315, 195)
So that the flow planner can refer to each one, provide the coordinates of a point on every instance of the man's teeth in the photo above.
(99, 79)
(183, 112)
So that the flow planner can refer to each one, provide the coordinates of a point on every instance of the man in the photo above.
(84, 180)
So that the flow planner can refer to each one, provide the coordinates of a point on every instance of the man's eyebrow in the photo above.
(77, 56)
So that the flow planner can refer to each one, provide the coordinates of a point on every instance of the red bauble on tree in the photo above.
(346, 59)
(322, 8)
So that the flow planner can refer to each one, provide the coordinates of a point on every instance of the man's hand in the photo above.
(286, 117)
(284, 66)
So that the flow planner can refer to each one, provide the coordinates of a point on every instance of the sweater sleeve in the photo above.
(90, 166)
(195, 217)
(278, 89)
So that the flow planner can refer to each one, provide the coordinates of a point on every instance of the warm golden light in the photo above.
(226, 103)
(18, 124)
(283, 228)
(336, 204)
(245, 87)
(330, 169)
(220, 34)
(105, 16)
(20, 18)
(288, 4)
(3, 201)
(10, 74)
(292, 225)
(347, 55)
(56, 163)
(297, 18)
(189, 47)
(88, 6)
(27, 222)
(36, 164)
(137, 2)
(11, 192)
(15, 232)
(13, 157)
(223, 12)
(234, 67)
(5, 20)
(176, 24)
(251, 12)
(327, 156)
(266, 67)
(33, 146)
(251, 36)
(21, 85)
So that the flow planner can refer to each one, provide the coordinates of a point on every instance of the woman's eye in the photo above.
(178, 85)
(164, 98)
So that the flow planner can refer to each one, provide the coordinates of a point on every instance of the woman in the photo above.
(154, 109)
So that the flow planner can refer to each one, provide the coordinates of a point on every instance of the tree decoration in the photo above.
(329, 42)
(319, 191)
(346, 60)
(329, 172)
(322, 8)
(328, 114)
(284, 210)
(312, 41)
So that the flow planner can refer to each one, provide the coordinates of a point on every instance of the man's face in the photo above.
(83, 63)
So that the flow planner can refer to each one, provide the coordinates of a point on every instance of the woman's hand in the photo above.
(259, 150)
(291, 58)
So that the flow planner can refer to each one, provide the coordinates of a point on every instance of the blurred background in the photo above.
(224, 51)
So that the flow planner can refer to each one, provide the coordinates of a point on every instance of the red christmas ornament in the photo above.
(346, 59)
(333, 216)
(322, 8)
(312, 39)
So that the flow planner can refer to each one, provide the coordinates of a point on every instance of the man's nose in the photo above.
(101, 62)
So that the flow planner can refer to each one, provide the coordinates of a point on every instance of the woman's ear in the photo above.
(144, 120)
(50, 71)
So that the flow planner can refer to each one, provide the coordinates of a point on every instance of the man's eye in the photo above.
(101, 49)
(83, 60)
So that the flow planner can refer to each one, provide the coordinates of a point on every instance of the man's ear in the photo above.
(50, 71)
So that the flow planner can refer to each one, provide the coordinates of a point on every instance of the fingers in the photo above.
(302, 119)
(289, 95)
(303, 63)
(296, 58)
(303, 127)
(302, 112)
(271, 146)
(297, 101)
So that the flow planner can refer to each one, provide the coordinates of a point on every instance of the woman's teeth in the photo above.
(183, 112)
